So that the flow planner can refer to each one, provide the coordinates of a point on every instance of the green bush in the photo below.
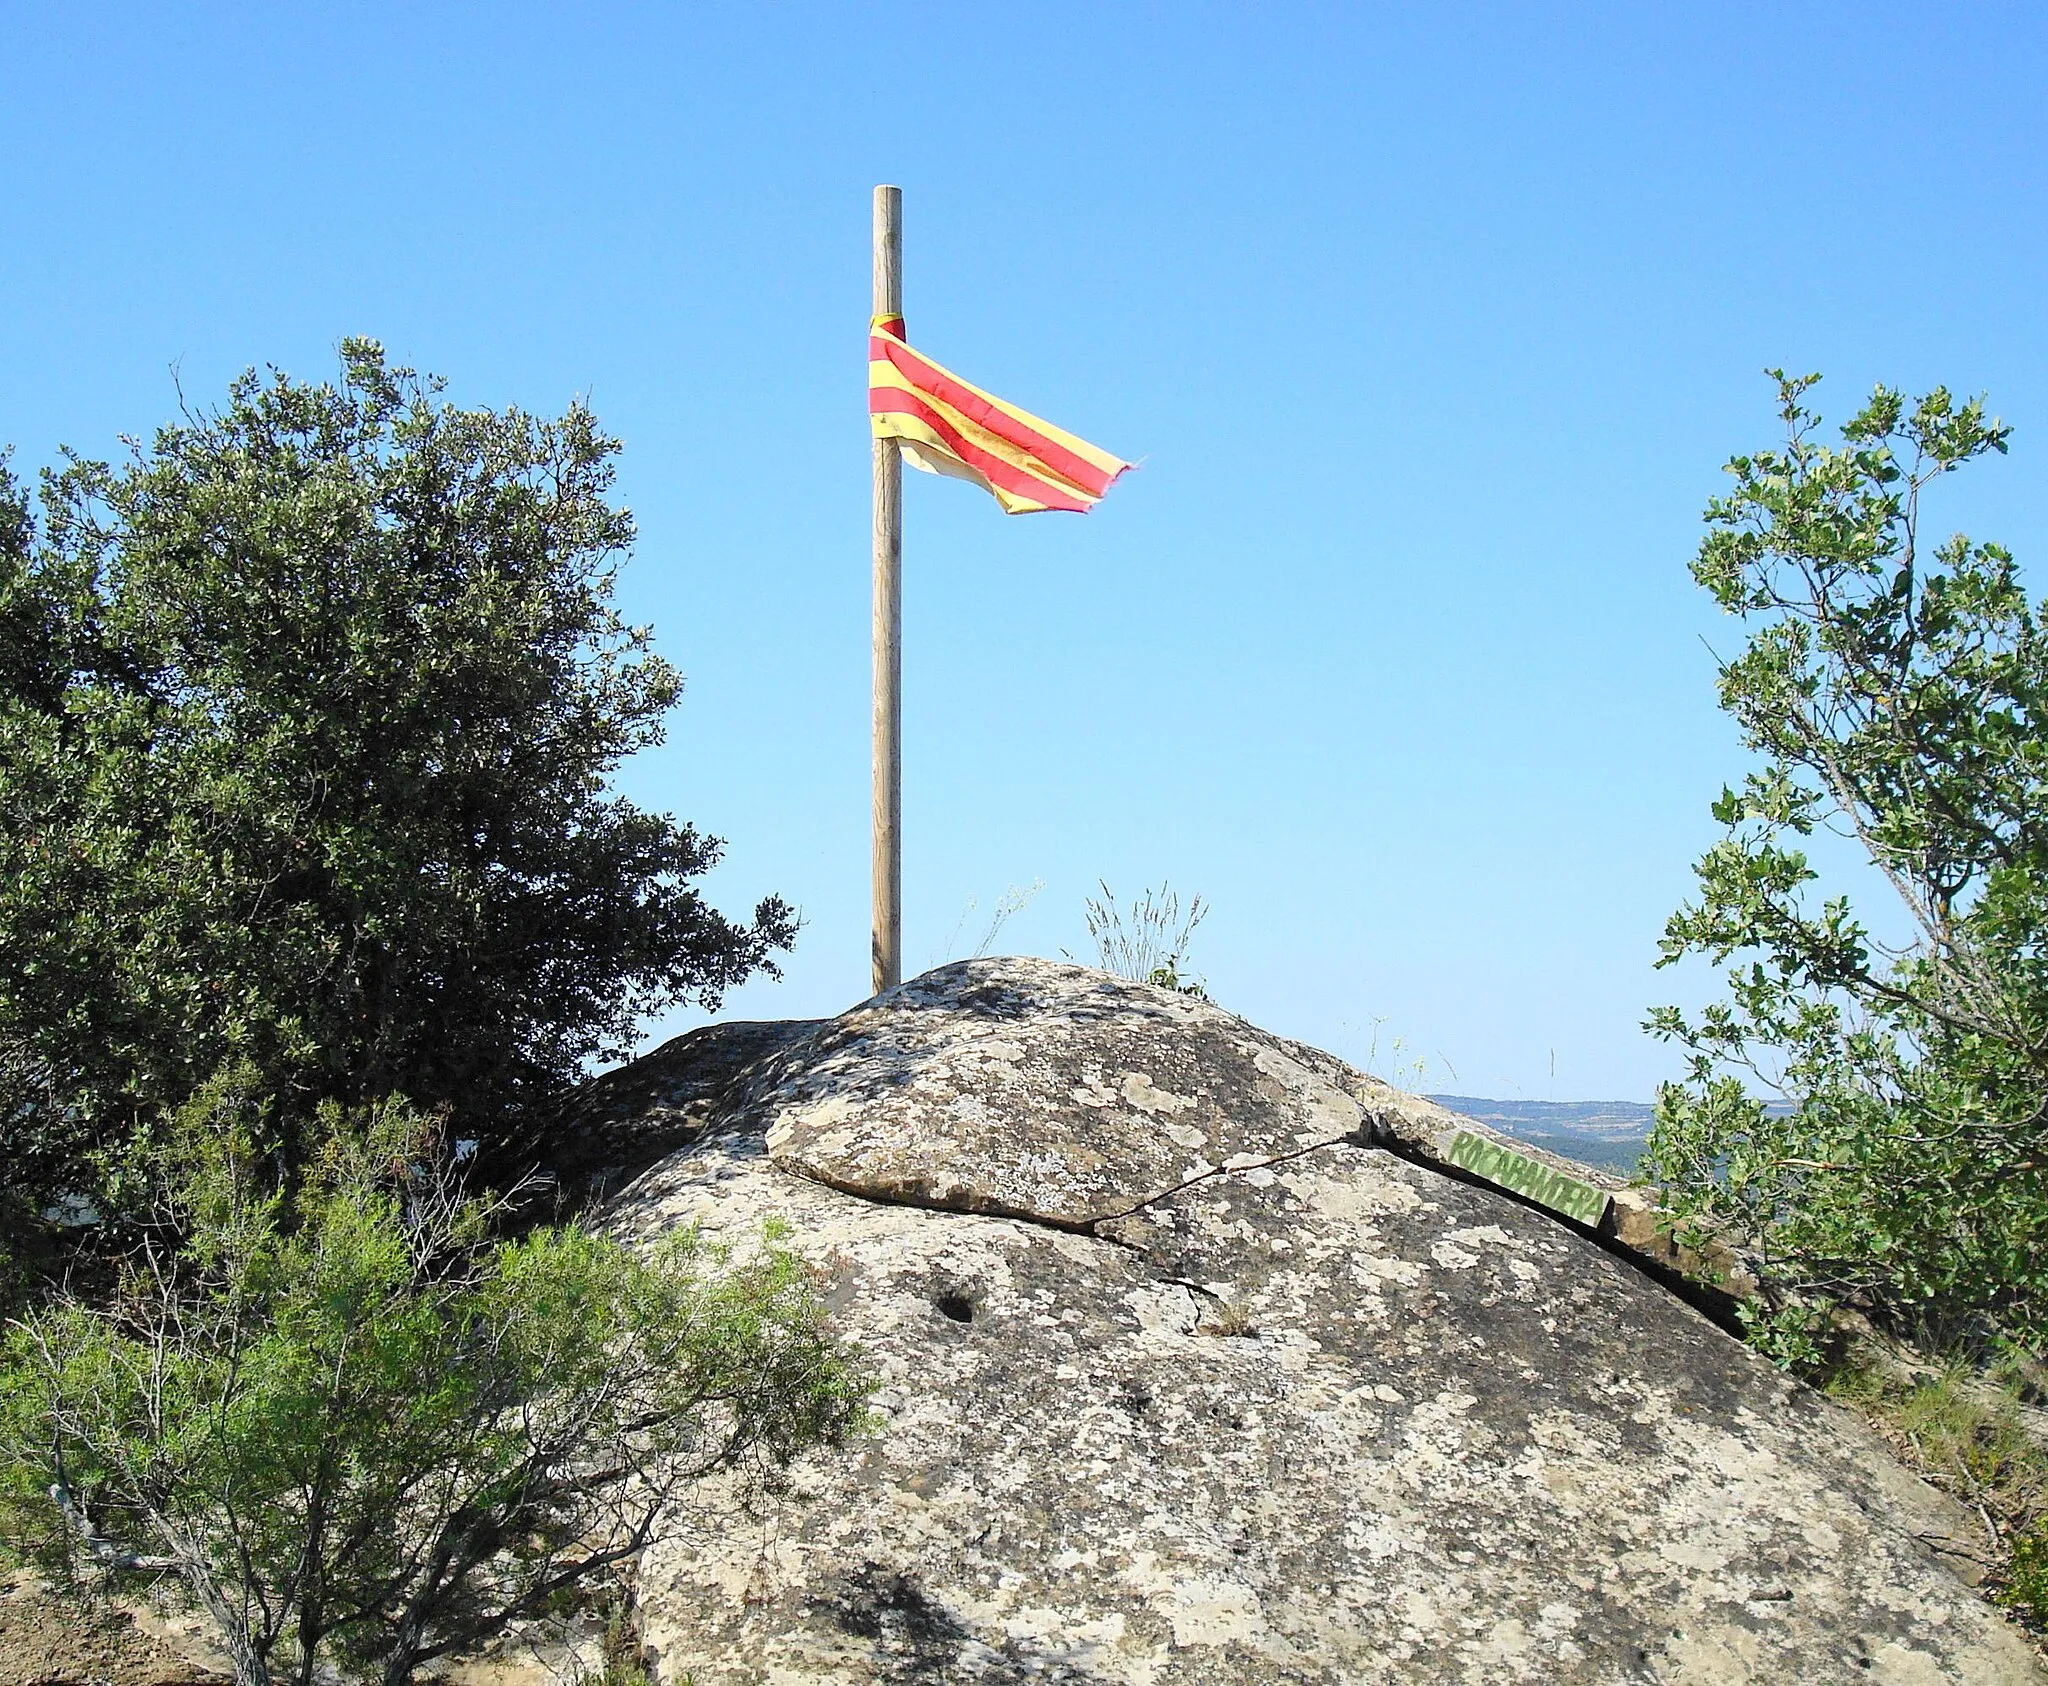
(2026, 1576)
(306, 714)
(1894, 690)
(362, 1428)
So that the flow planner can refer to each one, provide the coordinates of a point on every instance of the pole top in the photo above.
(888, 251)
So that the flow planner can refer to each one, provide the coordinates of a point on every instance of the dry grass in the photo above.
(1227, 1320)
(1149, 943)
(1972, 1432)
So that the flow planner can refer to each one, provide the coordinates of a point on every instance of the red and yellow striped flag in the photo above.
(949, 427)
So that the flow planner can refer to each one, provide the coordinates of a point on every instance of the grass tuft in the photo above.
(1971, 1432)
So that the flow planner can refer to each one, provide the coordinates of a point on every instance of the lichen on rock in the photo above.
(1182, 1379)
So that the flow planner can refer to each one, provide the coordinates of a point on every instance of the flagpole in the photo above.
(887, 853)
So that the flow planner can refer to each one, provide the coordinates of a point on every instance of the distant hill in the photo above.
(1611, 1119)
(1606, 1134)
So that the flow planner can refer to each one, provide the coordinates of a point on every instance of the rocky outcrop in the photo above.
(1705, 1269)
(1189, 1373)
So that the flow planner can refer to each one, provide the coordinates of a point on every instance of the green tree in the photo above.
(363, 1431)
(307, 710)
(1895, 692)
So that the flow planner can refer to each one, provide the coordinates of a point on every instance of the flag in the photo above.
(949, 427)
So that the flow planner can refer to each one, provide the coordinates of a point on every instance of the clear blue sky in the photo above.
(1432, 326)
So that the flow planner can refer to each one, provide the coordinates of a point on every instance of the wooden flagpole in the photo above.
(887, 855)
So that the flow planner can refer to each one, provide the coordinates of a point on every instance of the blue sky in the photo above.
(1431, 325)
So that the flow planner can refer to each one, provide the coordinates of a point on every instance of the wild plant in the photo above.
(1149, 944)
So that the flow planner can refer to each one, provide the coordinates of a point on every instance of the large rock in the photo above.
(1183, 1380)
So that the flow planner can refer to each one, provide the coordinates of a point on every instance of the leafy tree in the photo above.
(1894, 691)
(306, 714)
(363, 1431)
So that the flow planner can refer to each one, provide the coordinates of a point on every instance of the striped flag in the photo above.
(949, 427)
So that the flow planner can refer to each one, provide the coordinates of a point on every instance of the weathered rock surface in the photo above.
(1101, 1098)
(619, 1124)
(1183, 1381)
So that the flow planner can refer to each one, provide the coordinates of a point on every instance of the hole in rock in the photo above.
(956, 1306)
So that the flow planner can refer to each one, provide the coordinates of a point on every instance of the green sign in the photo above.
(1530, 1178)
